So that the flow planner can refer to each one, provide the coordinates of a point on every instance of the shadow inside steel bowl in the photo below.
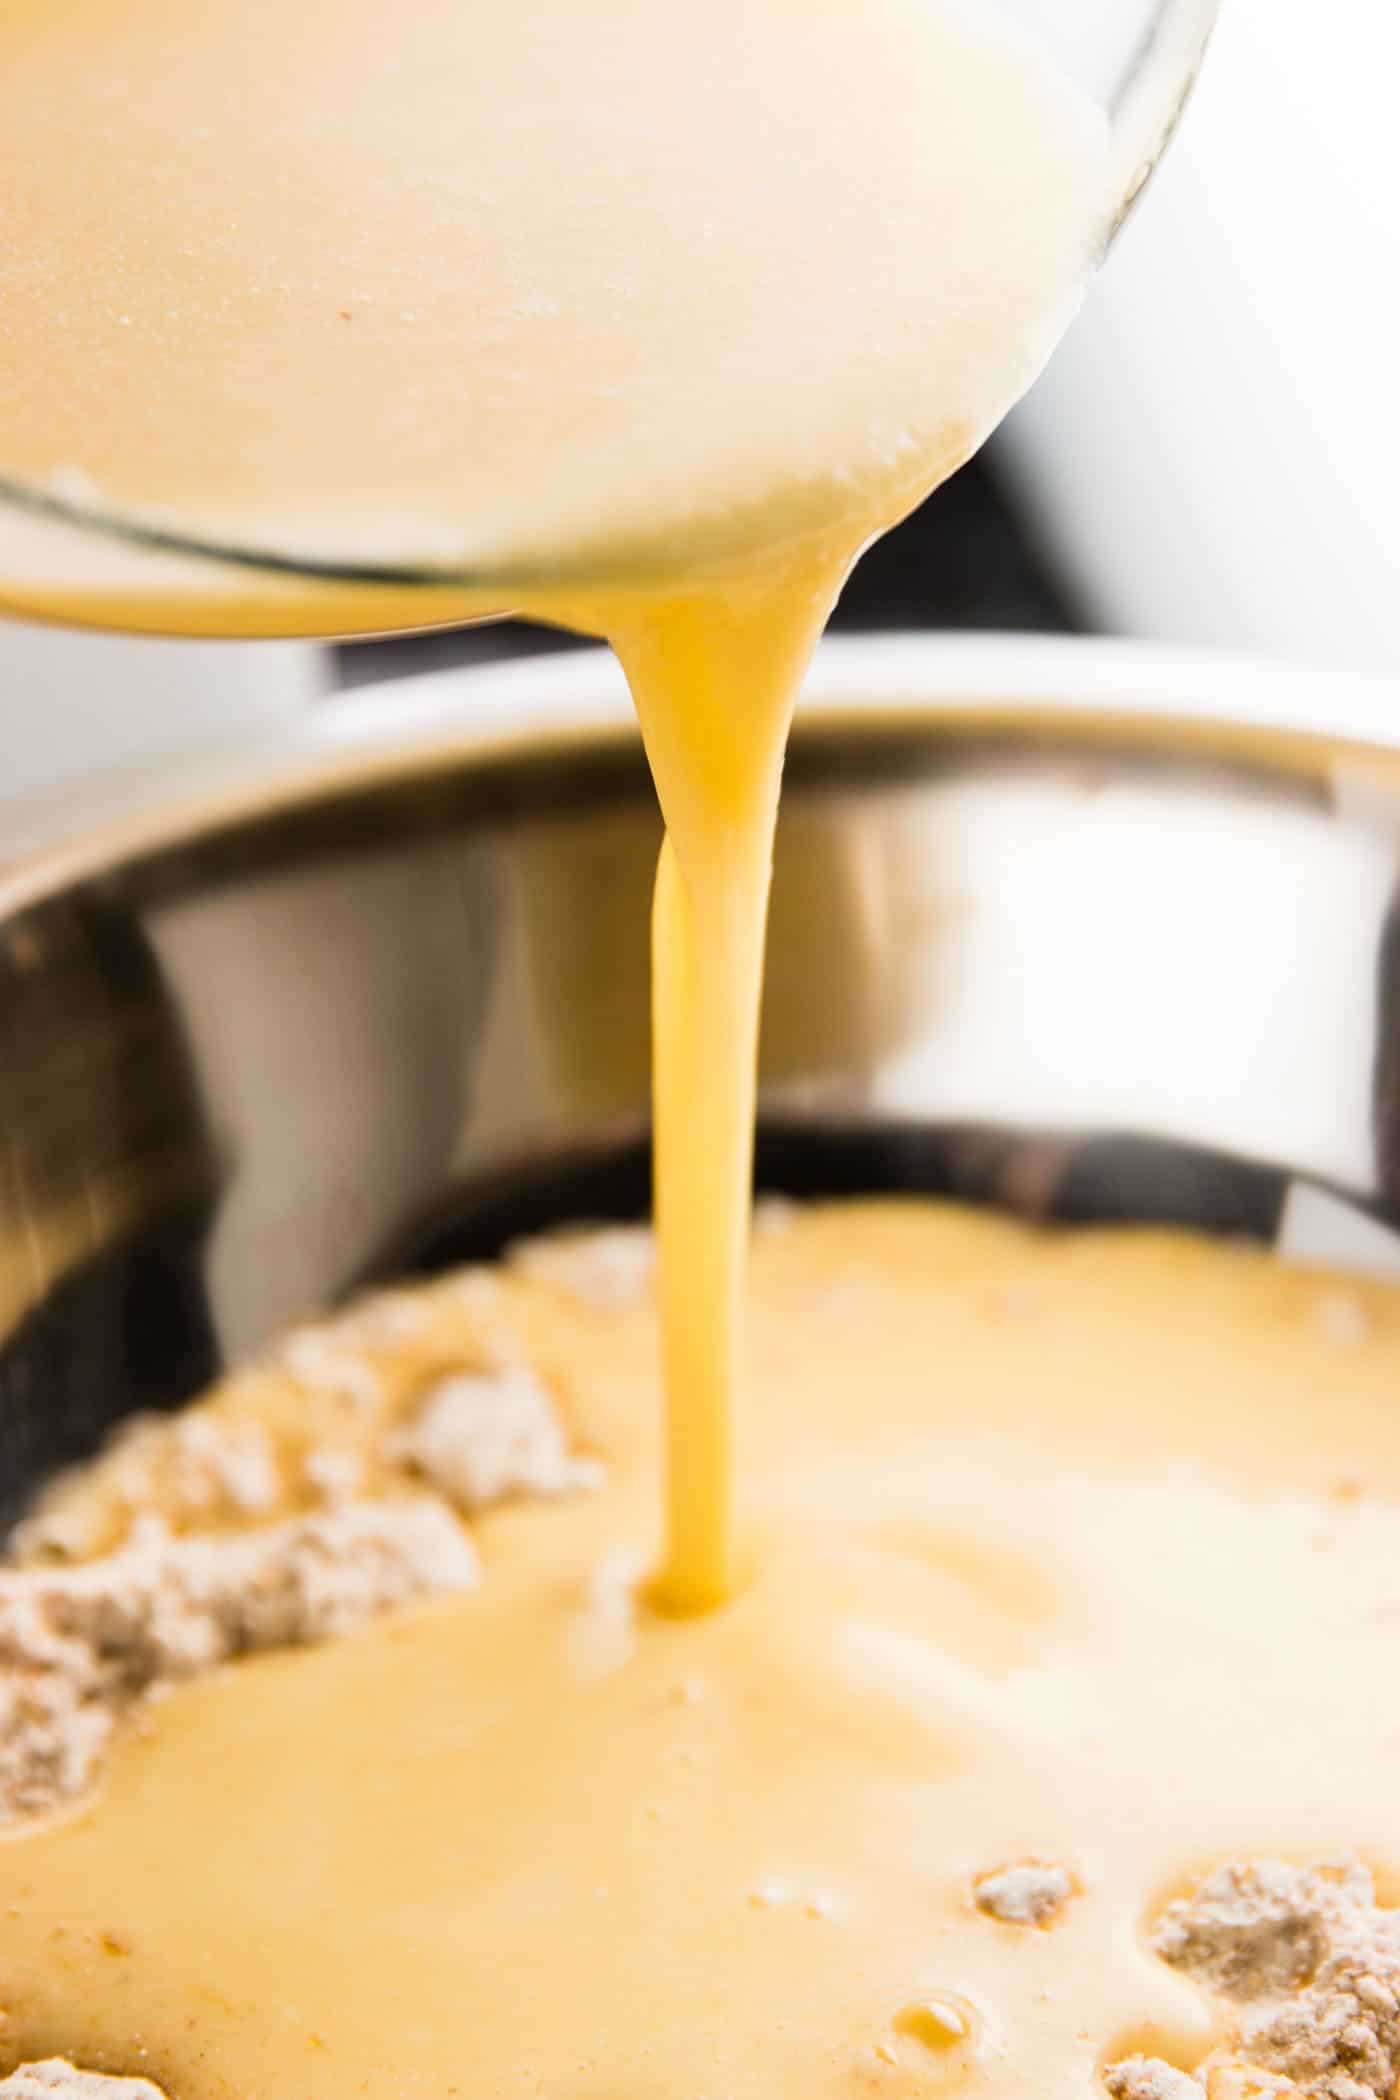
(376, 1000)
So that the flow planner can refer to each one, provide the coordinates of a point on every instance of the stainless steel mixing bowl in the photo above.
(376, 998)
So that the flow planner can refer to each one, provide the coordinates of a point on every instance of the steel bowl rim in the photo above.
(577, 701)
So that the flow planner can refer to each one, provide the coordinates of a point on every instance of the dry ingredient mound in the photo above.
(332, 1482)
(57, 2079)
(1029, 1892)
(79, 1647)
(1308, 1964)
(605, 1270)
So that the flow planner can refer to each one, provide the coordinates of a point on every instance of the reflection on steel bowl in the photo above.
(375, 998)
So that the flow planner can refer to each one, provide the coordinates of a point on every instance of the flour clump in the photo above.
(1309, 1963)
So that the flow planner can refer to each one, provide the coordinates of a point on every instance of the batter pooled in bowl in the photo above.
(1046, 1745)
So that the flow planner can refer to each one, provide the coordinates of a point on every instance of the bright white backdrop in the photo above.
(1215, 452)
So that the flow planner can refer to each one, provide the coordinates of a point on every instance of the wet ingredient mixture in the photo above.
(1045, 1747)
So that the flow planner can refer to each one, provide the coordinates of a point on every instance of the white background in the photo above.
(1216, 448)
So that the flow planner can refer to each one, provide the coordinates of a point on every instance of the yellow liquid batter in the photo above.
(645, 318)
(688, 304)
(634, 291)
(1025, 1583)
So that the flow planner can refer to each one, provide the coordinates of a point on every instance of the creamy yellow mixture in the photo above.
(1045, 1561)
(647, 317)
(631, 291)
(1055, 1557)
